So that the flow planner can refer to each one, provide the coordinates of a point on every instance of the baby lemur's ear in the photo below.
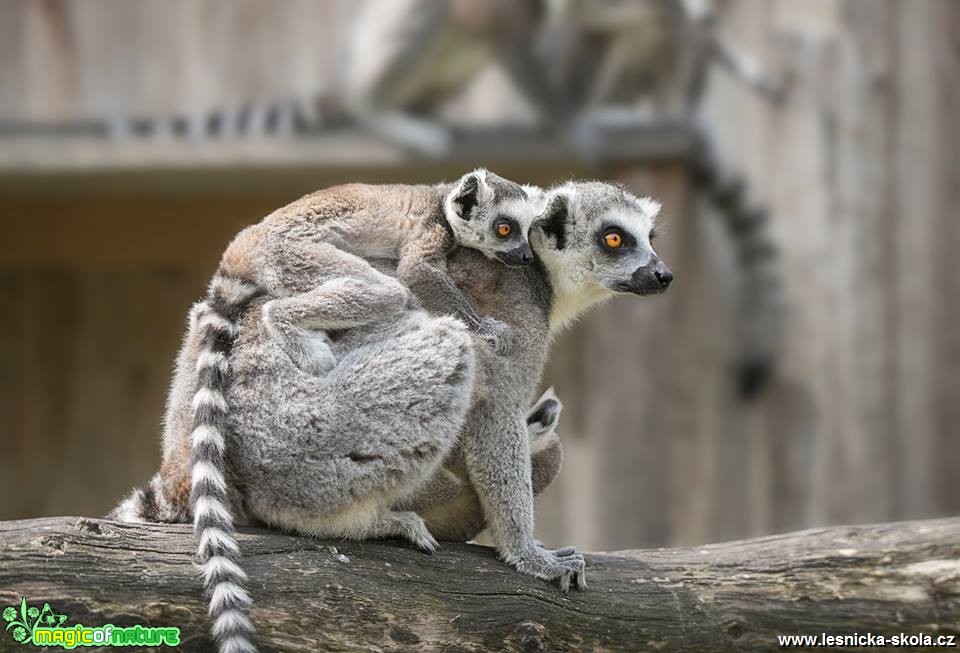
(555, 221)
(467, 195)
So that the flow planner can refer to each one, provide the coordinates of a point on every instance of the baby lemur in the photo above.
(286, 253)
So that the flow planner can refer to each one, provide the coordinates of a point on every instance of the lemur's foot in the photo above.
(318, 358)
(410, 526)
(562, 565)
(497, 334)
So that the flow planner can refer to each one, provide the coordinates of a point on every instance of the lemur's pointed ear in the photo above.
(467, 196)
(555, 220)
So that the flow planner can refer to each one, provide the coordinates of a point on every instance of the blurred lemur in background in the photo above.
(620, 62)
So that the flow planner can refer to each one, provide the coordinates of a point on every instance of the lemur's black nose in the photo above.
(664, 276)
(518, 256)
(654, 277)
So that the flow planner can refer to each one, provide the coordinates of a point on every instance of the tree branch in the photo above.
(384, 596)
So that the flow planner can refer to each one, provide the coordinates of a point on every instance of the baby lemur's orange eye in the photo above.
(613, 239)
(504, 229)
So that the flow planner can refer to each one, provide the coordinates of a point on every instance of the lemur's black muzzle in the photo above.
(654, 277)
(517, 257)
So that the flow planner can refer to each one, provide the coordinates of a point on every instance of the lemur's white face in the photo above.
(596, 239)
(493, 215)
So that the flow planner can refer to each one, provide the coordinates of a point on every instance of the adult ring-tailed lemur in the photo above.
(385, 418)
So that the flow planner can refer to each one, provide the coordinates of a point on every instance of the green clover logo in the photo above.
(25, 620)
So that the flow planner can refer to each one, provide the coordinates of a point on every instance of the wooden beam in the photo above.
(311, 595)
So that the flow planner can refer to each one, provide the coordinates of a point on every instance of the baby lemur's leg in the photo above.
(423, 269)
(442, 488)
(348, 293)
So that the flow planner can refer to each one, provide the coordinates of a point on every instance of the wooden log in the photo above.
(311, 595)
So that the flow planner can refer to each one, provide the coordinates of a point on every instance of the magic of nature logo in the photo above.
(28, 624)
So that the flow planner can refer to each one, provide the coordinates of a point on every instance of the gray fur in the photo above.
(329, 455)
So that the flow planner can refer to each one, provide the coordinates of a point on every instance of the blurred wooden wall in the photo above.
(61, 59)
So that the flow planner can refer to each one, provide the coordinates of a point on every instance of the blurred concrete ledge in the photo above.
(90, 163)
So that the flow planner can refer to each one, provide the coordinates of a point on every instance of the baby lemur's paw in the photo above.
(497, 334)
(308, 349)
(318, 358)
(562, 565)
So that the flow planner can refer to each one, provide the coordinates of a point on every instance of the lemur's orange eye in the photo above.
(504, 229)
(613, 239)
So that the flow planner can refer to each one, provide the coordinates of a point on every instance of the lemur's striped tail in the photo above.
(149, 503)
(223, 579)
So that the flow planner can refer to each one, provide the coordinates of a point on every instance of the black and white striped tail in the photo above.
(224, 581)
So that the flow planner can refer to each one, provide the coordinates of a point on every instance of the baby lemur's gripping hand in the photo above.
(495, 333)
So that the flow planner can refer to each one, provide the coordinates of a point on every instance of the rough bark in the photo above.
(383, 596)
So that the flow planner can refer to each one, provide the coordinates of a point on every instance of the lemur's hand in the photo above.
(497, 334)
(562, 565)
